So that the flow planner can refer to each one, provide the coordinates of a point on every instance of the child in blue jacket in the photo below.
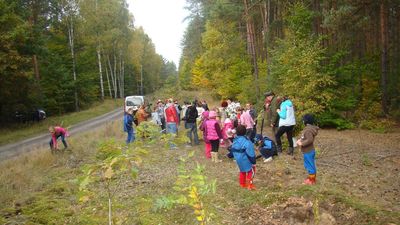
(243, 152)
(266, 146)
(128, 126)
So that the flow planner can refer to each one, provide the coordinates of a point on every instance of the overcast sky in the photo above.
(162, 20)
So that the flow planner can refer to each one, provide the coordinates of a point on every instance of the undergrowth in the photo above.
(168, 186)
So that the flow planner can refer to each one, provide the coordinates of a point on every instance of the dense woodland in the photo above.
(64, 55)
(336, 58)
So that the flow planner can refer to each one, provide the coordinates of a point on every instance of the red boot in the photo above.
(251, 186)
(208, 150)
(242, 179)
(250, 176)
(310, 180)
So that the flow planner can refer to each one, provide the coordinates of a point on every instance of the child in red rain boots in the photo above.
(306, 142)
(243, 151)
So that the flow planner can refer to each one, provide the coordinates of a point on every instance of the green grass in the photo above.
(20, 132)
(45, 189)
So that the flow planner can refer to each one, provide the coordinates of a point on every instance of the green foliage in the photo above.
(326, 57)
(377, 125)
(108, 149)
(299, 20)
(39, 35)
(296, 64)
(15, 75)
(222, 67)
(332, 120)
(191, 187)
(114, 164)
(192, 47)
(149, 131)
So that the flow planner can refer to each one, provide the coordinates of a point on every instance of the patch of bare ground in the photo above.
(357, 183)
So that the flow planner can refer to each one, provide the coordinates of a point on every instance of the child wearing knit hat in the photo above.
(306, 143)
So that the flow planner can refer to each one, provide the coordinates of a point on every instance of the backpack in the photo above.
(269, 145)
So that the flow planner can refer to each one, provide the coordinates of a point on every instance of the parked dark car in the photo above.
(35, 115)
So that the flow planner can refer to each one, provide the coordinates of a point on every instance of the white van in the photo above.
(133, 102)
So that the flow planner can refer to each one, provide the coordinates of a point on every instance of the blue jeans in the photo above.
(131, 137)
(172, 129)
(192, 128)
(62, 139)
(309, 162)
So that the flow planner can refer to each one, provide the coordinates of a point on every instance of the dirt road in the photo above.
(12, 150)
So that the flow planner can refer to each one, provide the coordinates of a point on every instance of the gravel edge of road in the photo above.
(12, 150)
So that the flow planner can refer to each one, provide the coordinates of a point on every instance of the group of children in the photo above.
(227, 128)
(236, 135)
(231, 134)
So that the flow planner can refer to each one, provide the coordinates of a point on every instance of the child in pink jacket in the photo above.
(213, 135)
(57, 132)
(226, 135)
(204, 118)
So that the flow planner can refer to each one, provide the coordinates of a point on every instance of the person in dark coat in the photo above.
(190, 117)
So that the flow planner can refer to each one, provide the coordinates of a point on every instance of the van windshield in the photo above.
(133, 101)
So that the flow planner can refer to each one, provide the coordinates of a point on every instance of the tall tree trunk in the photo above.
(384, 55)
(251, 45)
(36, 67)
(141, 80)
(72, 46)
(113, 78)
(108, 80)
(267, 21)
(397, 52)
(120, 77)
(100, 71)
(32, 22)
(99, 60)
(123, 77)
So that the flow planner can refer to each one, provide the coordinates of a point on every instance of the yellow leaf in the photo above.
(200, 218)
(198, 212)
(109, 173)
(84, 198)
(113, 161)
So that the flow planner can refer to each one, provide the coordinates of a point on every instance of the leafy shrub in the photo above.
(108, 149)
(112, 166)
(332, 120)
(149, 131)
(191, 188)
(377, 125)
(296, 65)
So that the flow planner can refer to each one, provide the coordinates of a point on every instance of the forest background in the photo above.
(64, 55)
(335, 58)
